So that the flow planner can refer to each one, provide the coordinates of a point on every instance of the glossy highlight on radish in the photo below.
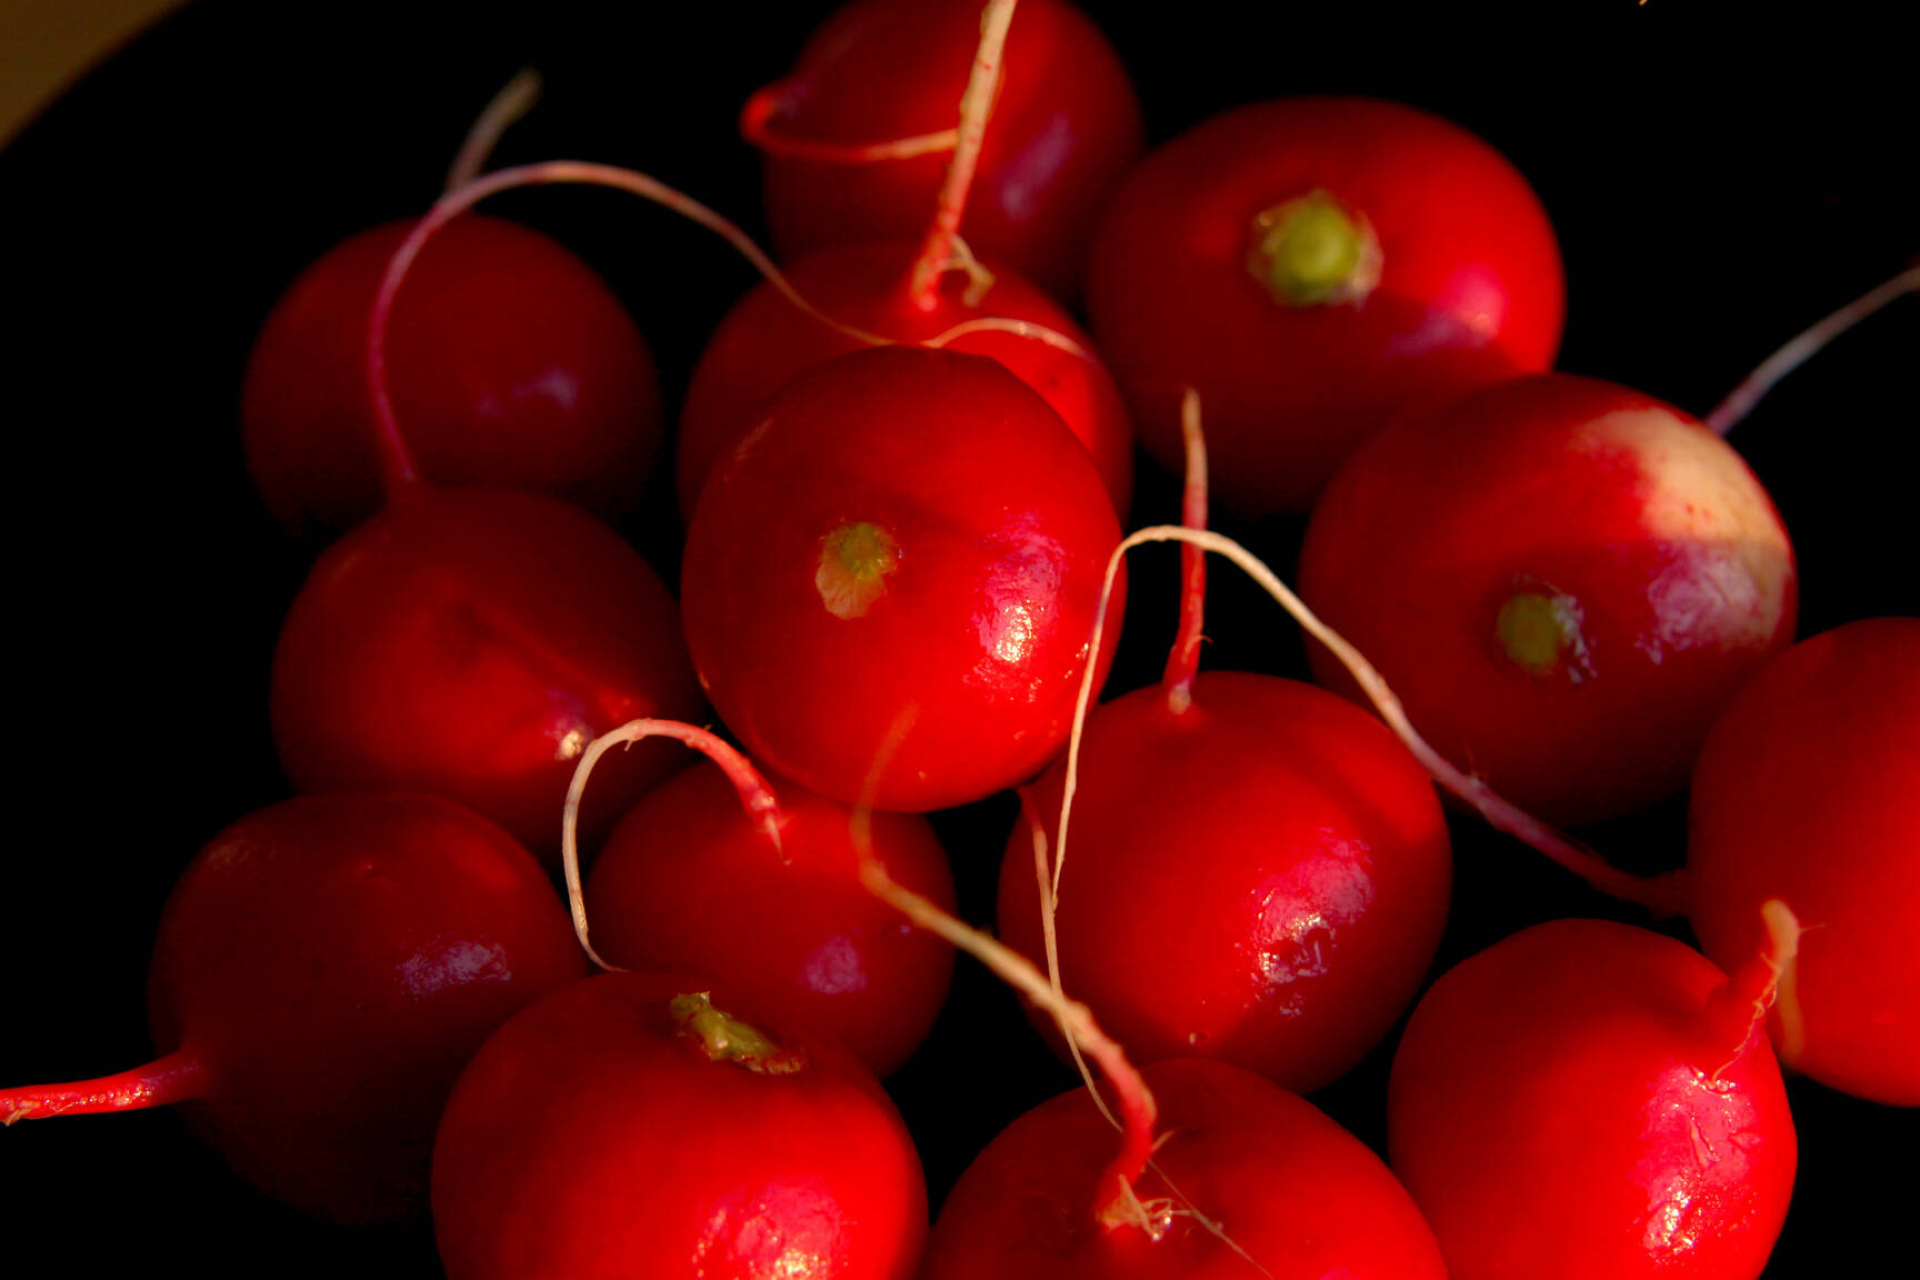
(324, 969)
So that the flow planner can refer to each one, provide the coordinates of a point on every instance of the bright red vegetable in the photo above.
(888, 589)
(1065, 129)
(1261, 877)
(712, 874)
(511, 364)
(472, 643)
(1808, 790)
(766, 341)
(1312, 266)
(1250, 1180)
(625, 1126)
(1595, 1101)
(1562, 579)
(324, 969)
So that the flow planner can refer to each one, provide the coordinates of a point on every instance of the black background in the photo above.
(1717, 184)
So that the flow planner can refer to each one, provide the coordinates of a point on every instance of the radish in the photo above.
(634, 1125)
(936, 293)
(712, 873)
(1250, 1180)
(472, 643)
(1563, 579)
(324, 968)
(765, 341)
(1312, 266)
(1808, 789)
(512, 365)
(1261, 870)
(903, 559)
(1589, 1099)
(855, 137)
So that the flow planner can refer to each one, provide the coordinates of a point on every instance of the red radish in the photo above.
(1808, 790)
(1250, 1180)
(324, 968)
(1591, 1100)
(626, 1126)
(512, 364)
(902, 560)
(1564, 580)
(1262, 870)
(472, 643)
(711, 873)
(1312, 266)
(856, 136)
(765, 342)
(1261, 877)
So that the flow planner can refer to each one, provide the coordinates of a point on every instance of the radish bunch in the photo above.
(891, 581)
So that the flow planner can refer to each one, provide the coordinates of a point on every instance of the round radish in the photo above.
(889, 586)
(856, 137)
(1250, 1180)
(511, 364)
(711, 874)
(1260, 877)
(766, 341)
(324, 969)
(1563, 580)
(1589, 1099)
(625, 1126)
(1808, 790)
(1312, 266)
(472, 643)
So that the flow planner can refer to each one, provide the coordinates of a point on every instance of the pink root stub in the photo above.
(1568, 1105)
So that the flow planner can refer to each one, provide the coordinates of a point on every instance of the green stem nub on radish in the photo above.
(1314, 251)
(1538, 631)
(855, 560)
(725, 1038)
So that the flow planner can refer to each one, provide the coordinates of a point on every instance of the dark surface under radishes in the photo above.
(1708, 207)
